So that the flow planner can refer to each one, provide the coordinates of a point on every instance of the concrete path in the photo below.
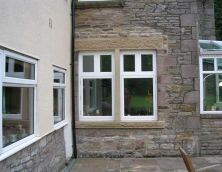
(142, 164)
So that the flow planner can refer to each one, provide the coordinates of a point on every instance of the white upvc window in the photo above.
(96, 75)
(210, 84)
(138, 85)
(59, 85)
(18, 82)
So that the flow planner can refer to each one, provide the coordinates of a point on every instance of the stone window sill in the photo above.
(149, 124)
(100, 4)
(211, 116)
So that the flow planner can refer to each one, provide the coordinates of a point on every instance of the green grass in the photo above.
(139, 101)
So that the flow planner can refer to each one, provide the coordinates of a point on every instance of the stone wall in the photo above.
(206, 20)
(177, 71)
(48, 154)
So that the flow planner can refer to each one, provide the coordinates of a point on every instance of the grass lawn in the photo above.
(138, 101)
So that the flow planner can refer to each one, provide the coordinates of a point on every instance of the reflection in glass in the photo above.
(88, 63)
(58, 105)
(97, 97)
(138, 96)
(211, 95)
(19, 69)
(105, 63)
(208, 64)
(17, 113)
(146, 62)
(59, 77)
(129, 63)
(219, 63)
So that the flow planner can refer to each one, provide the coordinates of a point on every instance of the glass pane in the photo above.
(19, 69)
(88, 63)
(212, 92)
(58, 105)
(59, 77)
(208, 64)
(138, 96)
(105, 63)
(129, 63)
(147, 62)
(17, 113)
(97, 97)
(219, 64)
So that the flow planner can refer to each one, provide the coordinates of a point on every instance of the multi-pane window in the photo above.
(138, 85)
(58, 95)
(96, 85)
(18, 94)
(211, 84)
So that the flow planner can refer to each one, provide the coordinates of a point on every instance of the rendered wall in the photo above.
(41, 30)
(177, 76)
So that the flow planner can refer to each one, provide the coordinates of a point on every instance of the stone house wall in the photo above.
(181, 23)
(47, 154)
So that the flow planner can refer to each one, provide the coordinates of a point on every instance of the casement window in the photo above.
(137, 85)
(96, 74)
(18, 94)
(59, 84)
(210, 84)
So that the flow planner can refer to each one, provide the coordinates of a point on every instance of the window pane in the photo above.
(219, 63)
(210, 85)
(59, 77)
(58, 105)
(19, 69)
(147, 62)
(88, 63)
(18, 114)
(97, 97)
(208, 64)
(105, 63)
(129, 63)
(138, 96)
(11, 100)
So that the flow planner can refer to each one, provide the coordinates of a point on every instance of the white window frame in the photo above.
(16, 82)
(138, 74)
(95, 75)
(213, 72)
(63, 87)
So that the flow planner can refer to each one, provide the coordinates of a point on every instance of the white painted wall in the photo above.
(24, 27)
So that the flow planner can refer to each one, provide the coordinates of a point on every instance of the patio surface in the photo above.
(142, 164)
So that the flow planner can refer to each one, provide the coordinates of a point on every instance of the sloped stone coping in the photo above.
(100, 4)
(211, 116)
(149, 124)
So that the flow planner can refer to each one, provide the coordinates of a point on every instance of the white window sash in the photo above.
(96, 64)
(138, 74)
(17, 82)
(95, 118)
(139, 118)
(213, 72)
(59, 86)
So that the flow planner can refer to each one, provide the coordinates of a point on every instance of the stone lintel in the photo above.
(149, 124)
(121, 43)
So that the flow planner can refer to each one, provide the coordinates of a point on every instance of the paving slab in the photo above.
(142, 164)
